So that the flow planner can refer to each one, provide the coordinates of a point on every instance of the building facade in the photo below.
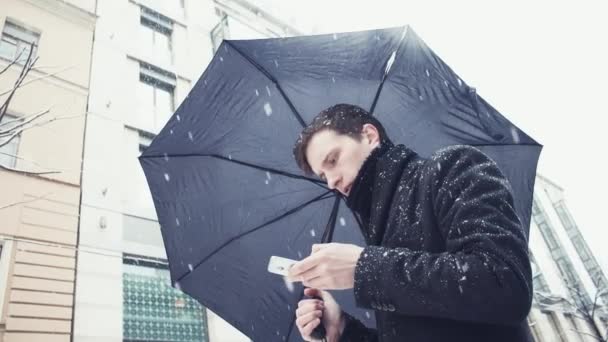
(147, 55)
(39, 207)
(568, 281)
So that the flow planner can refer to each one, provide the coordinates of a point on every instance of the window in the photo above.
(142, 230)
(155, 97)
(548, 234)
(535, 208)
(137, 199)
(156, 31)
(5, 251)
(8, 150)
(581, 248)
(560, 208)
(155, 311)
(219, 33)
(561, 265)
(145, 139)
(182, 6)
(16, 42)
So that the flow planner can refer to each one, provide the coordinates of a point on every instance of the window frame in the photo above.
(6, 247)
(143, 138)
(16, 141)
(22, 35)
(219, 32)
(159, 25)
(152, 264)
(159, 80)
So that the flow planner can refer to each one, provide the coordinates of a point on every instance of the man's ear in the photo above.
(371, 134)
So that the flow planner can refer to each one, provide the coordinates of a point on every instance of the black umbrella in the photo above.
(229, 194)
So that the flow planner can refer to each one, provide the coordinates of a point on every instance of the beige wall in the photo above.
(39, 293)
(41, 212)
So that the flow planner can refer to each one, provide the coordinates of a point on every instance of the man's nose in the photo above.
(333, 182)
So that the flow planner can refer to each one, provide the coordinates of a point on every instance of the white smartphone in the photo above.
(279, 265)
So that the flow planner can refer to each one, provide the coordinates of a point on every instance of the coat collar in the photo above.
(376, 182)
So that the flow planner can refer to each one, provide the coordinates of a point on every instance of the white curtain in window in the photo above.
(162, 46)
(164, 107)
(146, 34)
(145, 106)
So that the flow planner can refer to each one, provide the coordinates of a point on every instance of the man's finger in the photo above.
(295, 271)
(308, 328)
(308, 317)
(309, 307)
(306, 302)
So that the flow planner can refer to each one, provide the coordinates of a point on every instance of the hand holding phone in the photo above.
(279, 265)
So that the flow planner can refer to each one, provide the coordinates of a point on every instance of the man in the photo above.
(446, 256)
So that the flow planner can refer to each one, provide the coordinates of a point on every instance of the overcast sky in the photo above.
(542, 64)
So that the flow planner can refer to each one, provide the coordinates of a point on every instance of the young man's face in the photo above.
(337, 158)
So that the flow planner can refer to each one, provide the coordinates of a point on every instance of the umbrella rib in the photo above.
(526, 144)
(271, 78)
(327, 238)
(289, 212)
(331, 223)
(232, 160)
(385, 76)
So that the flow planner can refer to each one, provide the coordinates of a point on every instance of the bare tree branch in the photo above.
(597, 295)
(36, 79)
(579, 300)
(22, 75)
(11, 130)
(33, 162)
(28, 172)
(11, 137)
(589, 315)
(28, 201)
(588, 334)
(25, 122)
(12, 62)
(38, 124)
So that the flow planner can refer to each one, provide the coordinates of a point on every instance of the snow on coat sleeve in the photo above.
(484, 276)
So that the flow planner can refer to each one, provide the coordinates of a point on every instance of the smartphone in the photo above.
(279, 265)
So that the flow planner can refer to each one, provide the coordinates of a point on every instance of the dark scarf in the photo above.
(375, 186)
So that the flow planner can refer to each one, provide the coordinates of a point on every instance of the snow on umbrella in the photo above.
(226, 188)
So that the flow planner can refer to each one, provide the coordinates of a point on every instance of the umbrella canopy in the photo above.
(228, 193)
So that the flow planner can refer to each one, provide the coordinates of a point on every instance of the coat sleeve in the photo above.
(483, 276)
(355, 331)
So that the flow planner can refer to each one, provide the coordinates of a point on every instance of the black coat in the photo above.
(447, 258)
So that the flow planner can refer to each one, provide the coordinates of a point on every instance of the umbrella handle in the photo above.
(319, 332)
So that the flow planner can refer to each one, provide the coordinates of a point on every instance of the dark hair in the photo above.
(344, 119)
